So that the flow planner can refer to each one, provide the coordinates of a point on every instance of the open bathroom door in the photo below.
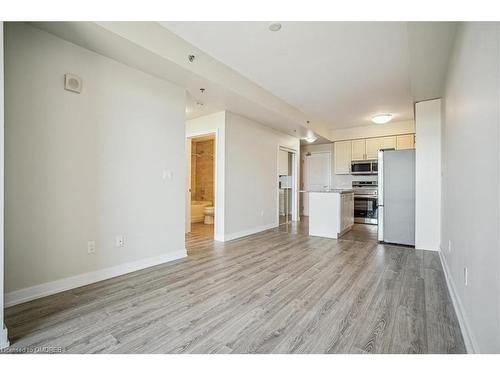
(188, 185)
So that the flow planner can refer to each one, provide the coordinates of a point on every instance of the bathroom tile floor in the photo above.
(201, 229)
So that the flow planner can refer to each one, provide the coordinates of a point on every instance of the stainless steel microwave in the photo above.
(364, 167)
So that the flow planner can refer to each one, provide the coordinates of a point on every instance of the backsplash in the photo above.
(344, 181)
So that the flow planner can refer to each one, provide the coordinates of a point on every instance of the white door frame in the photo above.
(188, 183)
(219, 207)
(4, 342)
(295, 183)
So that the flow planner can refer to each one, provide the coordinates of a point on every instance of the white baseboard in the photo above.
(247, 232)
(37, 291)
(219, 238)
(470, 343)
(420, 247)
(4, 338)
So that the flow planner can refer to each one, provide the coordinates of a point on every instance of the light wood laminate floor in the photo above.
(279, 291)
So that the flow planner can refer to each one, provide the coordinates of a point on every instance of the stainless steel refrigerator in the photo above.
(396, 192)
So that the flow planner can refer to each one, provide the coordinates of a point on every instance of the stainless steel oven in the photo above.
(365, 202)
(364, 167)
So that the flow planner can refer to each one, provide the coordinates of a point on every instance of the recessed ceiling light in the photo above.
(275, 26)
(382, 118)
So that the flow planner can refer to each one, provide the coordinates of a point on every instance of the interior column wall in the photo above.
(252, 177)
(428, 175)
(471, 188)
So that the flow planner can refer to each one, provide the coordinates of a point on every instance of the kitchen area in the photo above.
(364, 188)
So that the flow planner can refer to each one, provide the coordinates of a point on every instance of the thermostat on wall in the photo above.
(72, 83)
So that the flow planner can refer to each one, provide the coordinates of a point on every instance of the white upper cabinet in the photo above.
(367, 149)
(387, 142)
(372, 147)
(342, 157)
(404, 142)
(358, 149)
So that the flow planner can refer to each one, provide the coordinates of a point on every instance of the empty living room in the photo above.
(194, 178)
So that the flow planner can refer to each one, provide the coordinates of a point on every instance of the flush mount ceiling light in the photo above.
(310, 139)
(275, 26)
(382, 118)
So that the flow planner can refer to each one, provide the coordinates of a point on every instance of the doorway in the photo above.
(287, 186)
(201, 185)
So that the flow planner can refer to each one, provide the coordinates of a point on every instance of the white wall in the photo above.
(87, 166)
(359, 132)
(471, 187)
(428, 175)
(251, 189)
(215, 122)
(3, 330)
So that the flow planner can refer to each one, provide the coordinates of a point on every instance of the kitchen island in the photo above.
(331, 212)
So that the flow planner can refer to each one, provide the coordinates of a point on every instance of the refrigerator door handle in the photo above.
(380, 178)
(380, 202)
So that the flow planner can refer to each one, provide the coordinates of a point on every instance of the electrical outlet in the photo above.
(120, 241)
(449, 246)
(466, 276)
(90, 247)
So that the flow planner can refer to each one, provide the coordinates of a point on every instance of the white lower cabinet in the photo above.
(331, 214)
(347, 211)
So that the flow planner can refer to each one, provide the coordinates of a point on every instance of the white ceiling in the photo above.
(341, 73)
(304, 80)
(152, 48)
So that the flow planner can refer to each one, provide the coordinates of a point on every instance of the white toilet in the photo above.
(209, 215)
